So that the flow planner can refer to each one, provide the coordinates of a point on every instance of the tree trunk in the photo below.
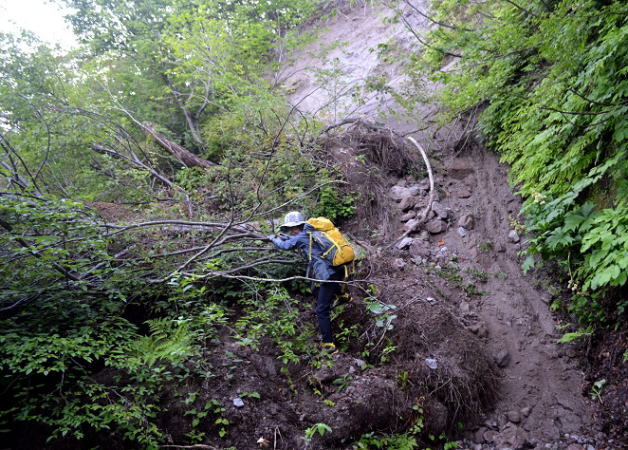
(188, 158)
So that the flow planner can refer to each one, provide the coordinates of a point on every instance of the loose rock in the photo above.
(574, 447)
(460, 169)
(404, 243)
(418, 250)
(479, 329)
(512, 437)
(479, 435)
(462, 232)
(436, 226)
(502, 358)
(513, 416)
(513, 236)
(399, 263)
(489, 436)
(397, 193)
(440, 210)
(237, 402)
(407, 216)
(408, 202)
(466, 221)
(462, 192)
(411, 225)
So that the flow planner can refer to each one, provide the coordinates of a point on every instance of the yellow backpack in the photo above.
(338, 250)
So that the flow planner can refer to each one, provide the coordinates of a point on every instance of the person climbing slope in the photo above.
(326, 254)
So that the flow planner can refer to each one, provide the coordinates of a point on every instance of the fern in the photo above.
(168, 341)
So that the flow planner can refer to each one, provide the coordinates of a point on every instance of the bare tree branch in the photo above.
(434, 21)
(9, 149)
(428, 208)
(58, 267)
(422, 40)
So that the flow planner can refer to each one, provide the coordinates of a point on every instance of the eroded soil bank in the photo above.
(472, 240)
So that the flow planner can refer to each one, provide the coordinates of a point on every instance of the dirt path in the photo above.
(541, 403)
(541, 388)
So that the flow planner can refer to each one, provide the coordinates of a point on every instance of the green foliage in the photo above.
(572, 336)
(389, 441)
(320, 428)
(596, 389)
(275, 316)
(485, 247)
(331, 205)
(477, 274)
(90, 343)
(451, 273)
(381, 311)
(553, 79)
(169, 341)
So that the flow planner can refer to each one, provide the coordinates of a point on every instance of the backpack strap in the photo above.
(309, 256)
(326, 252)
(331, 247)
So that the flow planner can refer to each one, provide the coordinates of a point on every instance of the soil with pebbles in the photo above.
(471, 241)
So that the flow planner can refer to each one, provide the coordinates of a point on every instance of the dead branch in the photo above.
(203, 250)
(13, 176)
(211, 447)
(133, 161)
(16, 177)
(58, 267)
(354, 120)
(281, 280)
(183, 224)
(192, 119)
(428, 208)
(185, 156)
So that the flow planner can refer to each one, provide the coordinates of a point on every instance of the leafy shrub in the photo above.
(334, 206)
(552, 77)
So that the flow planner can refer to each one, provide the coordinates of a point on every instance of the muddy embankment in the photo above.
(465, 260)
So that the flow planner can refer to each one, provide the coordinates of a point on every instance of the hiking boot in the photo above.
(329, 348)
(342, 299)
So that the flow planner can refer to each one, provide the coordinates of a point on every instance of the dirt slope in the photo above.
(541, 401)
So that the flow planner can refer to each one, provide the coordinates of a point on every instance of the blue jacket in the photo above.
(320, 268)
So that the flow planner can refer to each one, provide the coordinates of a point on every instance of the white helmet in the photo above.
(293, 219)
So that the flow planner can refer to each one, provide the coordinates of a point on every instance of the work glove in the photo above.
(270, 237)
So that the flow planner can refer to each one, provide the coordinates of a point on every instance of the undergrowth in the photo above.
(549, 79)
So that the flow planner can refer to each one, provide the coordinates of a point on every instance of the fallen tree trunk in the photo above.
(188, 158)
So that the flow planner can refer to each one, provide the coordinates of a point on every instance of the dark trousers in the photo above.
(324, 303)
